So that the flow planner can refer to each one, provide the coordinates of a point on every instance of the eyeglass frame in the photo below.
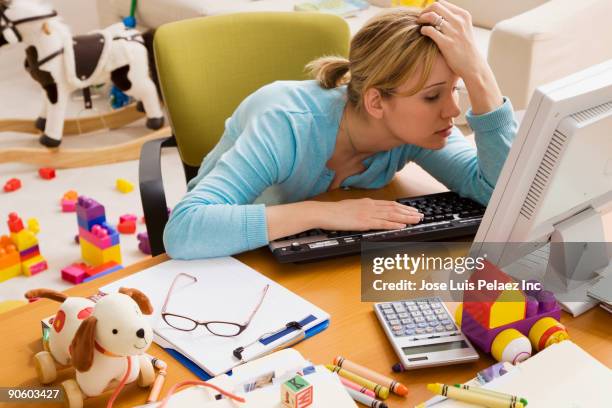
(242, 327)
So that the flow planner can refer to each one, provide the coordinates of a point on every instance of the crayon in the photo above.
(349, 384)
(395, 386)
(381, 391)
(506, 397)
(365, 400)
(469, 396)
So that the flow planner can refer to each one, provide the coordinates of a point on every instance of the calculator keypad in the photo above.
(422, 317)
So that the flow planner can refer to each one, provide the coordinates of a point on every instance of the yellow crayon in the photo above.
(471, 397)
(506, 397)
(381, 392)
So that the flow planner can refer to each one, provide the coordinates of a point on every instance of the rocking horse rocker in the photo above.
(61, 63)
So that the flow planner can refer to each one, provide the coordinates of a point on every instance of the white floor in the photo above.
(20, 98)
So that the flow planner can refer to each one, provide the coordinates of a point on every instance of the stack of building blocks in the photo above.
(99, 241)
(22, 245)
(489, 313)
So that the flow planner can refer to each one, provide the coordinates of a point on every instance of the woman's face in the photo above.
(424, 119)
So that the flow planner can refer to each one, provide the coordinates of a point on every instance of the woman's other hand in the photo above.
(366, 214)
(451, 29)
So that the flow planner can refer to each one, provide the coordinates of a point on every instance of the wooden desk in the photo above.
(333, 285)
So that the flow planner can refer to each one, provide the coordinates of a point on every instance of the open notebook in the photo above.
(226, 290)
(561, 376)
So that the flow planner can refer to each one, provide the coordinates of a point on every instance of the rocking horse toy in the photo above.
(62, 64)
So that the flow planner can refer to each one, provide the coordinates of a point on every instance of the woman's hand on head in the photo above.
(451, 30)
(367, 214)
(453, 35)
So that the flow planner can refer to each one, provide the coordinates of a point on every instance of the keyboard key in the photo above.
(409, 303)
(419, 319)
(403, 315)
(417, 314)
(397, 327)
(446, 321)
(399, 309)
(439, 311)
(391, 316)
(422, 325)
(406, 321)
(419, 331)
(410, 326)
(394, 322)
(431, 318)
(398, 333)
(435, 305)
(450, 327)
(413, 308)
(427, 312)
(439, 328)
(429, 330)
(409, 332)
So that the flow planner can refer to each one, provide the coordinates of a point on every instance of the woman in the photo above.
(356, 125)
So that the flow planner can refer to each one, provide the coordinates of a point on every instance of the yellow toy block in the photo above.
(33, 265)
(10, 272)
(124, 186)
(33, 225)
(95, 256)
(24, 239)
(509, 307)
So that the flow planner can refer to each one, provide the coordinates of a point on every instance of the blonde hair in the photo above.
(384, 54)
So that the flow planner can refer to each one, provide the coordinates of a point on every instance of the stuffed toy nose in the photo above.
(140, 333)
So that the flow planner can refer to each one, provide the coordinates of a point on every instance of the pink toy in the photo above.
(68, 205)
(75, 273)
(100, 340)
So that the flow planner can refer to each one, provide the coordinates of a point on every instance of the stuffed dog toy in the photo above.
(101, 340)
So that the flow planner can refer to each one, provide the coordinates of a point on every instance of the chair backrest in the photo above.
(208, 65)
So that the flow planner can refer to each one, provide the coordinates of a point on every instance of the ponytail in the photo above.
(330, 72)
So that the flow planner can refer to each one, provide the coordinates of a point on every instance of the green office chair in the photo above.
(207, 66)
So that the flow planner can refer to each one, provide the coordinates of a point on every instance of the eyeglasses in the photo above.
(216, 327)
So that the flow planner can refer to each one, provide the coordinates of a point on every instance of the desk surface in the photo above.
(333, 285)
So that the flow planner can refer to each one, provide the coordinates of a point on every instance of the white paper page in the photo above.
(561, 376)
(226, 290)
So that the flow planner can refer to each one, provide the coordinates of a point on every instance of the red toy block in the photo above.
(127, 217)
(127, 227)
(47, 173)
(12, 185)
(101, 268)
(15, 223)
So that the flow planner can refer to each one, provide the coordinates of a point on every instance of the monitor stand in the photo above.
(574, 260)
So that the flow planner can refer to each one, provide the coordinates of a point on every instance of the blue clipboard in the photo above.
(204, 376)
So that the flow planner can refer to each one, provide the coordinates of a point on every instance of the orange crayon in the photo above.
(395, 386)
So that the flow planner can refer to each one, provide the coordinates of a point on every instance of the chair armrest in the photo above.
(152, 192)
(487, 13)
(547, 43)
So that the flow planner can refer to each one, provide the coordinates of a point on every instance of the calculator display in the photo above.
(430, 348)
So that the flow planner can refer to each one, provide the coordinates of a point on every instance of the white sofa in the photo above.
(527, 42)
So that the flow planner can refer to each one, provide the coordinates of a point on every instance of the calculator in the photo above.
(423, 333)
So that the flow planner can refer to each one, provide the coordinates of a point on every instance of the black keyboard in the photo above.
(446, 216)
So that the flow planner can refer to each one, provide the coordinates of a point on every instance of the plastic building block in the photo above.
(15, 223)
(89, 224)
(71, 195)
(127, 227)
(68, 205)
(75, 273)
(34, 265)
(9, 256)
(10, 272)
(545, 332)
(511, 346)
(96, 256)
(12, 185)
(102, 270)
(89, 209)
(99, 237)
(46, 173)
(127, 217)
(296, 393)
(33, 225)
(24, 239)
(29, 253)
(124, 186)
(143, 243)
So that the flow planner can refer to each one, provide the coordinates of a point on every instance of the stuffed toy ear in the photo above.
(140, 298)
(83, 343)
(46, 29)
(46, 293)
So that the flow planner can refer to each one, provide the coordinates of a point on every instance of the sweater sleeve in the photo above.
(217, 217)
(469, 171)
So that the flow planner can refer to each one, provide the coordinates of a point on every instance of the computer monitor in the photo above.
(554, 187)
